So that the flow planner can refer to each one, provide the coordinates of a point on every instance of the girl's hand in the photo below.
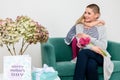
(79, 35)
(101, 23)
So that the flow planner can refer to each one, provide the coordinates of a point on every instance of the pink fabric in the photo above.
(75, 48)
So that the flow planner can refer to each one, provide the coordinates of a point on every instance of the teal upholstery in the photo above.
(57, 54)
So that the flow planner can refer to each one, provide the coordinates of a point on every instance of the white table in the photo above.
(1, 76)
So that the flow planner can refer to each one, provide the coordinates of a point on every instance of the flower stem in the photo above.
(25, 49)
(9, 50)
(104, 54)
(14, 49)
(23, 43)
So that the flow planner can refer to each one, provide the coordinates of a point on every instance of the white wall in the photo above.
(58, 16)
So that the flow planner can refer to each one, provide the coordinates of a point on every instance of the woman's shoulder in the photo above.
(101, 28)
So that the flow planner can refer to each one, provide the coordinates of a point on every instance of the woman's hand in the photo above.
(96, 49)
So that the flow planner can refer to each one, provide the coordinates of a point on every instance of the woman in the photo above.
(90, 56)
(71, 36)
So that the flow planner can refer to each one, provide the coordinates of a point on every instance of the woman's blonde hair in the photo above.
(95, 9)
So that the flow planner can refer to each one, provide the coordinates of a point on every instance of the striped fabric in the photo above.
(93, 32)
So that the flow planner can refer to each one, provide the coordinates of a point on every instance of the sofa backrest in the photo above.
(114, 50)
(63, 52)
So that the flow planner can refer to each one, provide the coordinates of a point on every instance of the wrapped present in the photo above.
(45, 73)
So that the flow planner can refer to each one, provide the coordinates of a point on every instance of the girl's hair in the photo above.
(95, 9)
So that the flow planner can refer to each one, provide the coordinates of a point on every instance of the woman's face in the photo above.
(89, 15)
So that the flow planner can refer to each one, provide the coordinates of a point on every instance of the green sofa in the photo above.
(57, 54)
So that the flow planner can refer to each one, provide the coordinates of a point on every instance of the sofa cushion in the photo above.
(116, 66)
(66, 68)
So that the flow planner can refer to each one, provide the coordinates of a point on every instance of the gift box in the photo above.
(45, 73)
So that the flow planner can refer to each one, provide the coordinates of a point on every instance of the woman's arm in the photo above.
(102, 40)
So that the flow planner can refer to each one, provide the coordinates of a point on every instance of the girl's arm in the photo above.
(95, 23)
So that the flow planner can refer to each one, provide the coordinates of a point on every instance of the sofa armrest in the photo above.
(48, 54)
(114, 50)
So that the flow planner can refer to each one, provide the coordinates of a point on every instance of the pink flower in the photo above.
(82, 42)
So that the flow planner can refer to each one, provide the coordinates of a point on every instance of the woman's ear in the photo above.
(97, 15)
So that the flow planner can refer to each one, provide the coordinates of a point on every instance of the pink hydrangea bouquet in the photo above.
(82, 42)
(24, 30)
